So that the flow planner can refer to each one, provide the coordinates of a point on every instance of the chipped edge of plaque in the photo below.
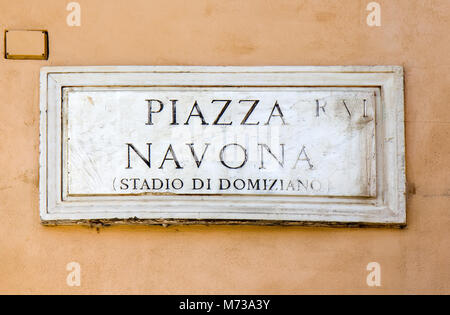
(392, 88)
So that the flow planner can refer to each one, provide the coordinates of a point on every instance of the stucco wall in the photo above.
(230, 259)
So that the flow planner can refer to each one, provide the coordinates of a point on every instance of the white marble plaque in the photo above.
(260, 145)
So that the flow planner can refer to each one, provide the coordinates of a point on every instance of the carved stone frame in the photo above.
(387, 209)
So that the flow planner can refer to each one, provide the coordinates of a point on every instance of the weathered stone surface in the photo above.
(286, 141)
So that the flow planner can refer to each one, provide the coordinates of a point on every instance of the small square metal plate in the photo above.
(26, 44)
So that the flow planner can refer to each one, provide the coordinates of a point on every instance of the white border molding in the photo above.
(388, 208)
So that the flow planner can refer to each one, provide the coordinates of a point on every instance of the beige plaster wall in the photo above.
(231, 259)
